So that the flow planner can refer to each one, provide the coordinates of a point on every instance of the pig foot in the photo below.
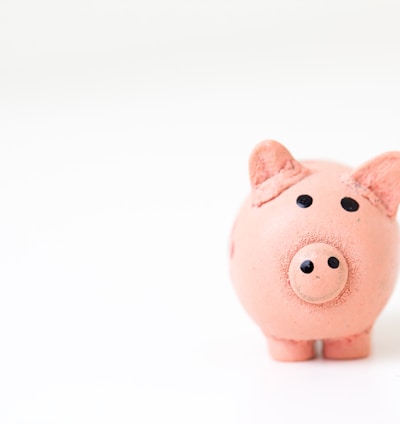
(352, 347)
(291, 350)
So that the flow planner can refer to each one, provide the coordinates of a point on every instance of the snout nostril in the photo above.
(307, 267)
(333, 262)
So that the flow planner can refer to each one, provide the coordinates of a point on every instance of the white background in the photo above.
(125, 129)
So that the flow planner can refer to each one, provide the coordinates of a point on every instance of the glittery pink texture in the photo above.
(314, 251)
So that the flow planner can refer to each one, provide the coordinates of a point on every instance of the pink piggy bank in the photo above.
(314, 251)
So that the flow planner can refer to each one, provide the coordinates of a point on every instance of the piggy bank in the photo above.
(314, 251)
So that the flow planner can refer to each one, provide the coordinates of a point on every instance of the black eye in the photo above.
(349, 204)
(304, 201)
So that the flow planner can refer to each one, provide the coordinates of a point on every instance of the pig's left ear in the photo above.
(379, 181)
(272, 170)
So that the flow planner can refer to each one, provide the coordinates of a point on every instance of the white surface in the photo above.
(125, 129)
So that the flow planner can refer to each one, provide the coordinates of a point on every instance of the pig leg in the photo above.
(291, 350)
(351, 347)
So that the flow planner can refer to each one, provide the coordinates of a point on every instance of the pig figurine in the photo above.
(314, 251)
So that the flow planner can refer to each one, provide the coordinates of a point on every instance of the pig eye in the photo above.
(304, 201)
(349, 204)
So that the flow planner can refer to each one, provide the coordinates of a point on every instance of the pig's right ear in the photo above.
(379, 181)
(272, 170)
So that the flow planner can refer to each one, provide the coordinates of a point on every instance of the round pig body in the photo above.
(314, 251)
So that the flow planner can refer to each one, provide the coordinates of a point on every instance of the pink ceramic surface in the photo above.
(314, 251)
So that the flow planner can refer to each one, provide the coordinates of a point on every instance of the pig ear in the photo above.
(272, 170)
(379, 181)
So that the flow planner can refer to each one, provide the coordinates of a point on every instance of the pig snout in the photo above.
(318, 273)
